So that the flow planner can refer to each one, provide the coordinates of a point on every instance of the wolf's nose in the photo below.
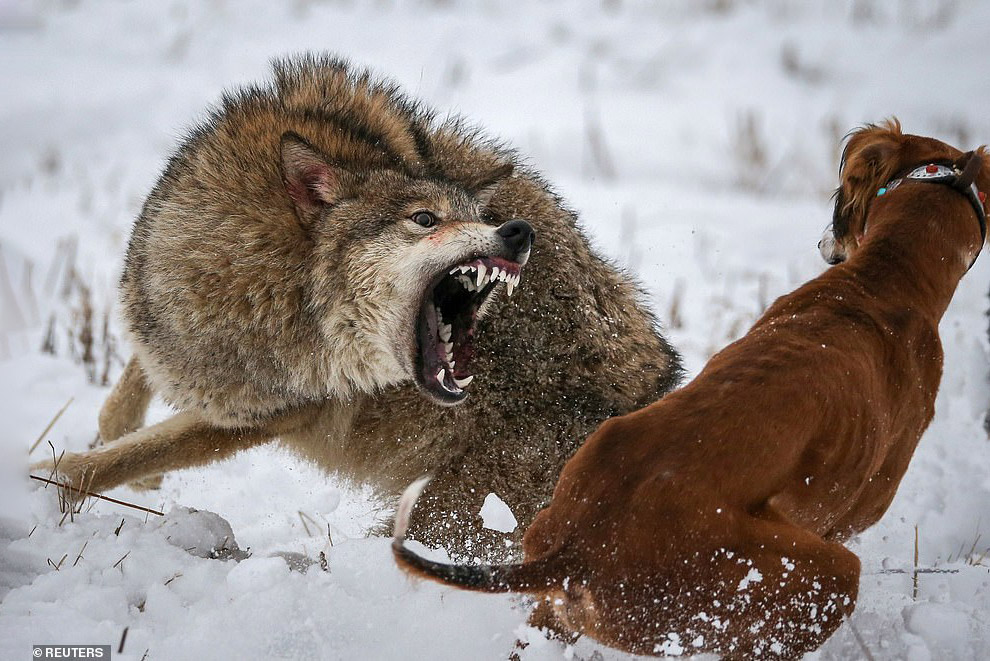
(517, 234)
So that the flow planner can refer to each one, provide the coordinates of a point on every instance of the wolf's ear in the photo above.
(483, 186)
(310, 180)
(869, 160)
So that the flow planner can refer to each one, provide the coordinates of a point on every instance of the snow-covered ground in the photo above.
(698, 139)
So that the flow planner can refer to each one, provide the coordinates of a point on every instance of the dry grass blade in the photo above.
(119, 562)
(598, 150)
(914, 580)
(302, 517)
(859, 639)
(97, 495)
(56, 458)
(51, 424)
(79, 557)
(123, 638)
(48, 344)
(674, 319)
(972, 549)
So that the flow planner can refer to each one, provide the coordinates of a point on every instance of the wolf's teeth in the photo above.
(442, 373)
(465, 269)
(496, 273)
(509, 287)
(481, 275)
(465, 382)
(455, 270)
(445, 332)
(448, 348)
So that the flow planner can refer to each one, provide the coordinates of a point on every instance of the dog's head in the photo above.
(874, 155)
(403, 267)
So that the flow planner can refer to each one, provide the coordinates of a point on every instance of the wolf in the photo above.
(326, 264)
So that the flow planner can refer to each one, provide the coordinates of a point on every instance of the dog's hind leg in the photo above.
(795, 590)
(124, 409)
(183, 441)
(545, 619)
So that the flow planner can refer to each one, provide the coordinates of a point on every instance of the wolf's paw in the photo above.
(69, 470)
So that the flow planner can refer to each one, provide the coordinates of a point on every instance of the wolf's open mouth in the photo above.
(446, 326)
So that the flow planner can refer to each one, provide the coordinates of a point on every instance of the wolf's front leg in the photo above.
(183, 441)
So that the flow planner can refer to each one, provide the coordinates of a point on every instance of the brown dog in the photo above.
(712, 520)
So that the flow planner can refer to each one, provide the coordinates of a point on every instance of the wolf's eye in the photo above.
(424, 218)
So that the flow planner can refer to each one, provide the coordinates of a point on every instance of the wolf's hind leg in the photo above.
(183, 441)
(124, 410)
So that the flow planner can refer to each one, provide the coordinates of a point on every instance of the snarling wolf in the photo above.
(713, 520)
(325, 263)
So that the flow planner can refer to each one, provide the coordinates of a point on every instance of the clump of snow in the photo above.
(203, 534)
(945, 629)
(496, 515)
(671, 646)
(752, 576)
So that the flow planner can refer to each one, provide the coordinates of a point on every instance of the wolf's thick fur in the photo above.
(713, 520)
(258, 318)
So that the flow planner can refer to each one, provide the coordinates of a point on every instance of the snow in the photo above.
(752, 576)
(496, 515)
(698, 140)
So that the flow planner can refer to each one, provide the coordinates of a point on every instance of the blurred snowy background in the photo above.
(699, 141)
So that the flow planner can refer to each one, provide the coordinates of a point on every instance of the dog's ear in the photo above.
(484, 185)
(309, 178)
(983, 176)
(869, 160)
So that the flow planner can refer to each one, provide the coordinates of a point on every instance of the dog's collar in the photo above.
(960, 180)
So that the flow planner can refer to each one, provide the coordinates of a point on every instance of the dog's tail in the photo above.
(536, 576)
